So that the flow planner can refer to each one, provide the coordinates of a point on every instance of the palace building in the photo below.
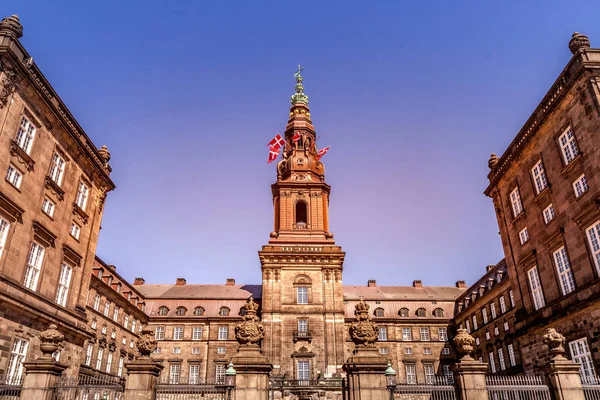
(545, 190)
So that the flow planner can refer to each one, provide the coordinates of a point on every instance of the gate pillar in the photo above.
(252, 374)
(563, 373)
(143, 372)
(469, 373)
(366, 377)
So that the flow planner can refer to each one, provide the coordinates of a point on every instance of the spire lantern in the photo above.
(299, 96)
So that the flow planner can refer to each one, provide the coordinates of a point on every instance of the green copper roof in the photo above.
(299, 96)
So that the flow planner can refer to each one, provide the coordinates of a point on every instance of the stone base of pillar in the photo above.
(142, 378)
(366, 374)
(252, 374)
(565, 379)
(41, 376)
(470, 379)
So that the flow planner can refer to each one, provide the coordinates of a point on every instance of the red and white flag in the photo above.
(276, 142)
(296, 137)
(322, 152)
(273, 153)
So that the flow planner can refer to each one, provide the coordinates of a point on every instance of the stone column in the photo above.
(42, 374)
(143, 372)
(251, 366)
(562, 372)
(469, 373)
(366, 368)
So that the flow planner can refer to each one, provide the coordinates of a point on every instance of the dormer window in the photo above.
(421, 312)
(118, 288)
(404, 312)
(438, 312)
(100, 273)
(224, 312)
(162, 310)
(180, 311)
(199, 311)
(379, 312)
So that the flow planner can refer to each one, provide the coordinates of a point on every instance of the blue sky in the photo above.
(412, 97)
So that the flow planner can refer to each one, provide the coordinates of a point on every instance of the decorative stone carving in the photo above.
(363, 331)
(493, 161)
(578, 41)
(464, 344)
(250, 331)
(555, 342)
(11, 26)
(50, 340)
(146, 344)
(105, 154)
(7, 86)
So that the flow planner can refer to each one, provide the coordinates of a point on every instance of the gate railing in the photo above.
(435, 388)
(591, 387)
(519, 387)
(10, 387)
(192, 389)
(87, 387)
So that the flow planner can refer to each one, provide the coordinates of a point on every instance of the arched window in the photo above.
(180, 311)
(243, 311)
(404, 312)
(302, 285)
(163, 310)
(438, 312)
(379, 312)
(421, 312)
(198, 311)
(301, 215)
(224, 312)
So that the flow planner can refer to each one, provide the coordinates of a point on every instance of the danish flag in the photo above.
(322, 152)
(273, 153)
(296, 137)
(276, 142)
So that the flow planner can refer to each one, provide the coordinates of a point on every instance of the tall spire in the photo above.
(299, 96)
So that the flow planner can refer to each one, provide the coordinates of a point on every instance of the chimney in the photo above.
(180, 282)
(417, 283)
(371, 283)
(138, 281)
(461, 284)
(230, 282)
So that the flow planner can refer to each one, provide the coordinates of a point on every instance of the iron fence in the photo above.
(303, 388)
(87, 387)
(10, 387)
(519, 387)
(435, 388)
(591, 387)
(193, 389)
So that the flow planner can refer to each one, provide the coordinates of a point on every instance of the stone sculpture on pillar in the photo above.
(363, 331)
(146, 344)
(562, 372)
(143, 372)
(250, 331)
(464, 344)
(469, 373)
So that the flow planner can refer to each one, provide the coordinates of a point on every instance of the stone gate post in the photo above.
(563, 373)
(469, 373)
(143, 372)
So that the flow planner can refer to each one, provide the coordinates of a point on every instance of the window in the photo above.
(539, 177)
(568, 146)
(536, 288)
(448, 373)
(48, 207)
(56, 356)
(99, 359)
(94, 323)
(15, 362)
(174, 373)
(421, 312)
(501, 359)
(197, 333)
(511, 355)
(382, 333)
(549, 214)
(487, 335)
(158, 350)
(445, 351)
(14, 176)
(126, 322)
(408, 350)
(438, 312)
(492, 363)
(180, 311)
(195, 350)
(178, 333)
(515, 201)
(176, 350)
(25, 135)
(301, 215)
(109, 361)
(580, 186)
(524, 236)
(563, 267)
(496, 332)
(82, 195)
(593, 234)
(124, 341)
(443, 334)
(406, 334)
(106, 308)
(493, 310)
(220, 373)
(302, 325)
(404, 312)
(379, 312)
(162, 311)
(303, 370)
(116, 314)
(424, 334)
(512, 298)
(194, 374)
(221, 350)
(88, 354)
(427, 350)
(468, 325)
(159, 333)
(302, 295)
(131, 344)
(474, 318)
(75, 230)
(199, 311)
(484, 315)
(506, 327)
(57, 168)
(223, 332)
(580, 353)
(3, 233)
(34, 265)
(384, 350)
(120, 370)
(113, 334)
(224, 312)
(411, 374)
(477, 341)
(104, 330)
(502, 305)
(429, 374)
(64, 280)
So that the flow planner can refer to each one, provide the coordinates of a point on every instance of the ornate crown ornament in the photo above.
(555, 342)
(363, 331)
(250, 331)
(464, 344)
(146, 344)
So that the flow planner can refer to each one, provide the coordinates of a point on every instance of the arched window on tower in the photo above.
(301, 215)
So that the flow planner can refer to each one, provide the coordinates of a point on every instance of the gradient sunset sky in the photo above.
(412, 97)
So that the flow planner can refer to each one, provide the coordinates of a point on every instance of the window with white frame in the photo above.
(487, 335)
(221, 350)
(536, 288)
(159, 333)
(197, 333)
(174, 373)
(195, 350)
(15, 362)
(580, 353)
(14, 176)
(524, 236)
(133, 324)
(34, 265)
(427, 350)
(25, 135)
(109, 361)
(106, 308)
(445, 351)
(411, 374)
(512, 298)
(83, 193)
(492, 362)
(549, 214)
(124, 341)
(580, 186)
(511, 355)
(178, 333)
(442, 334)
(75, 230)
(4, 224)
(382, 333)
(121, 364)
(563, 267)
(496, 331)
(176, 350)
(57, 168)
(539, 177)
(158, 350)
(429, 374)
(302, 295)
(97, 299)
(477, 341)
(220, 373)
(116, 314)
(593, 234)
(502, 304)
(448, 373)
(48, 207)
(468, 325)
(88, 354)
(506, 327)
(303, 370)
(99, 359)
(568, 146)
(493, 310)
(515, 201)
(302, 325)
(113, 334)
(126, 321)
(408, 350)
(424, 334)
(501, 359)
(64, 280)
(194, 374)
(406, 334)
(223, 332)
(94, 324)
(104, 330)
(384, 350)
(474, 318)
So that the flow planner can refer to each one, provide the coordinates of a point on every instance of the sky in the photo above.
(412, 97)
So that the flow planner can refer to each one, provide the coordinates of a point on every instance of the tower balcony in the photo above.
(303, 335)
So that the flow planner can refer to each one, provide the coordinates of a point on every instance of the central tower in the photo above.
(302, 299)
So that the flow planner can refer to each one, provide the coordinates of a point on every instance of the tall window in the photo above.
(515, 201)
(484, 315)
(502, 305)
(75, 230)
(549, 214)
(25, 135)
(178, 333)
(88, 354)
(174, 373)
(197, 333)
(524, 236)
(406, 334)
(539, 177)
(83, 193)
(580, 352)
(126, 321)
(512, 298)
(194, 374)
(448, 373)
(220, 373)
(593, 234)
(159, 333)
(568, 146)
(106, 308)
(57, 168)
(492, 362)
(501, 359)
(536, 288)
(424, 334)
(580, 186)
(223, 332)
(411, 374)
(97, 302)
(301, 215)
(14, 176)
(3, 233)
(99, 359)
(121, 363)
(64, 280)
(109, 361)
(302, 295)
(34, 265)
(511, 355)
(303, 370)
(302, 325)
(493, 310)
(15, 362)
(468, 325)
(563, 267)
(48, 207)
(443, 334)
(116, 314)
(382, 333)
(429, 374)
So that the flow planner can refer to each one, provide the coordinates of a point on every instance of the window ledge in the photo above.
(78, 212)
(518, 217)
(539, 198)
(575, 162)
(23, 157)
(53, 186)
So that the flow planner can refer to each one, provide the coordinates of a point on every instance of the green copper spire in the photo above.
(299, 96)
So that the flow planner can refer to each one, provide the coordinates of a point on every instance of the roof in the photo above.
(426, 293)
(192, 291)
(392, 308)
